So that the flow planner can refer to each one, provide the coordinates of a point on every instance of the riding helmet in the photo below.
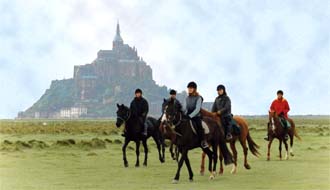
(192, 85)
(220, 86)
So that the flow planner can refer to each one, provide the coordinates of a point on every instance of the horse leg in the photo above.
(158, 143)
(124, 152)
(191, 175)
(145, 146)
(180, 163)
(221, 164)
(137, 151)
(245, 151)
(233, 149)
(291, 144)
(171, 151)
(202, 164)
(177, 153)
(210, 156)
(286, 150)
(280, 149)
(215, 159)
(269, 145)
(163, 148)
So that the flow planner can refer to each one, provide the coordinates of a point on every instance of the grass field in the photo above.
(86, 154)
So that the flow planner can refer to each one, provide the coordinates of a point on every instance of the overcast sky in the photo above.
(254, 48)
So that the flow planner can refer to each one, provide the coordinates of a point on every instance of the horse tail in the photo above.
(295, 132)
(293, 127)
(252, 146)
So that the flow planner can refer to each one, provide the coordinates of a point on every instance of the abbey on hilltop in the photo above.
(96, 88)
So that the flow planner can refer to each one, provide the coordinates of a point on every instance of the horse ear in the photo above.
(164, 100)
(122, 105)
(117, 105)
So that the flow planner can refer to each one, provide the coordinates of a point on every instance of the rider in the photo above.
(193, 105)
(281, 106)
(139, 107)
(173, 98)
(222, 107)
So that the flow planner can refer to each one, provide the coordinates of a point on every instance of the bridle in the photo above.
(174, 125)
(127, 117)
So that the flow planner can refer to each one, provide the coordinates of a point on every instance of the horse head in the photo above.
(123, 114)
(171, 118)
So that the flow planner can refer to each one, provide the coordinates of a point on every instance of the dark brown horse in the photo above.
(243, 137)
(186, 139)
(276, 130)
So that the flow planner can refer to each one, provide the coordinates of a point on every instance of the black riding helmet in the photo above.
(221, 86)
(192, 85)
(138, 91)
(172, 92)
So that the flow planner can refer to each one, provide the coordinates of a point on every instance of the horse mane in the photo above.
(206, 113)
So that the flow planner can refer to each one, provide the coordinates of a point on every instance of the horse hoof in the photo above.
(233, 171)
(291, 154)
(211, 177)
(221, 172)
(175, 181)
(201, 173)
(191, 180)
(247, 166)
(126, 165)
(137, 165)
(145, 165)
(268, 159)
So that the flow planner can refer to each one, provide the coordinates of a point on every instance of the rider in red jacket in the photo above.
(281, 106)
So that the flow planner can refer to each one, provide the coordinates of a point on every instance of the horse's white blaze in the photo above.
(163, 118)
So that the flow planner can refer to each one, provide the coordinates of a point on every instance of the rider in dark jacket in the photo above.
(139, 108)
(222, 106)
(193, 107)
(173, 98)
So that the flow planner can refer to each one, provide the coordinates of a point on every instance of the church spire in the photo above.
(118, 38)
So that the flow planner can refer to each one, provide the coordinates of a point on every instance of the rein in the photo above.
(128, 116)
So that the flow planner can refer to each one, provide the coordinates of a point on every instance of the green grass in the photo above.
(95, 160)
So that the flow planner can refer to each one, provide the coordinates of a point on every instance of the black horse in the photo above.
(133, 133)
(187, 139)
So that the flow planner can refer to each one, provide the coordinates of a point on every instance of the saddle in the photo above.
(236, 129)
(284, 122)
(194, 126)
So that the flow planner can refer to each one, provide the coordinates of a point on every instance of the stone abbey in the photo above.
(97, 87)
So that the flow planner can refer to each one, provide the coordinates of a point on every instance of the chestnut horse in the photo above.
(276, 130)
(242, 137)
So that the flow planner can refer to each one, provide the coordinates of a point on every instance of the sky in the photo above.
(254, 48)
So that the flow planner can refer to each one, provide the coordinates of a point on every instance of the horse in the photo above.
(243, 137)
(276, 130)
(133, 133)
(168, 133)
(186, 139)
